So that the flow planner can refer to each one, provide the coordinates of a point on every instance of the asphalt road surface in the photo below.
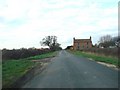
(70, 71)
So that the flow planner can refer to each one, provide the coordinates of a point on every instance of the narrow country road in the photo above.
(70, 71)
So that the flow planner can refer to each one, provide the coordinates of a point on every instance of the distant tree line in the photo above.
(68, 47)
(22, 53)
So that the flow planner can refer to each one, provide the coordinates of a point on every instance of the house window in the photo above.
(78, 47)
(83, 46)
(87, 43)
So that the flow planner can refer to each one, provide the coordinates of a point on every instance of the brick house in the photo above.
(79, 44)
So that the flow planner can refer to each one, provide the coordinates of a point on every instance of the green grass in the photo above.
(101, 58)
(14, 69)
(47, 55)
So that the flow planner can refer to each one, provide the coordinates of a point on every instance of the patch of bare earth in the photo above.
(43, 63)
(43, 60)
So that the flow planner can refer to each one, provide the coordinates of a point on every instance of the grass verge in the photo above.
(42, 56)
(14, 69)
(100, 58)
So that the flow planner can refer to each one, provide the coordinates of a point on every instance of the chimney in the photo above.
(90, 37)
(74, 38)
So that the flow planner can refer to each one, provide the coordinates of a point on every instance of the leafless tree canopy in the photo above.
(51, 42)
(105, 38)
(106, 41)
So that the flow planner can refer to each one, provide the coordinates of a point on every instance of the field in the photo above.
(14, 69)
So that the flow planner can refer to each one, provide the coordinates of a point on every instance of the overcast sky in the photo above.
(23, 23)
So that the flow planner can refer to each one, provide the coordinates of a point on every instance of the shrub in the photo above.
(104, 51)
(22, 53)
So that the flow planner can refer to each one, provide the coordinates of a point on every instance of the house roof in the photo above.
(82, 40)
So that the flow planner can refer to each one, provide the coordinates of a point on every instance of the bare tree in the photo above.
(46, 41)
(106, 41)
(51, 42)
(105, 38)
